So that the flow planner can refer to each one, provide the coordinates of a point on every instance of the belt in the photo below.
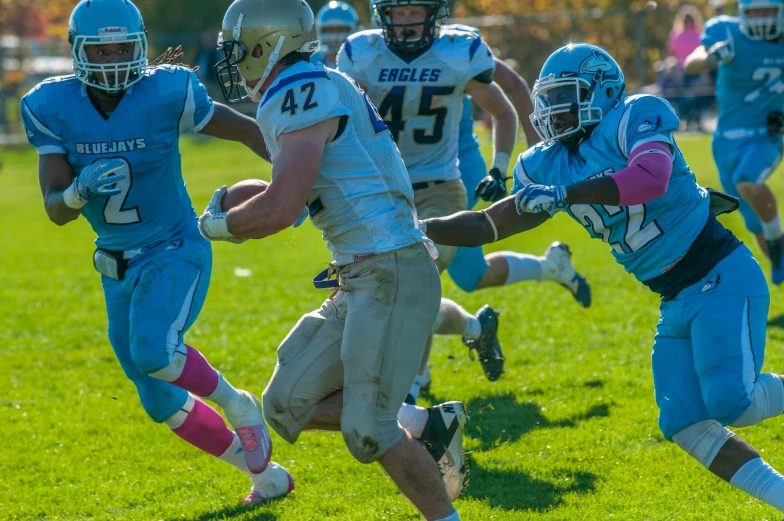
(425, 184)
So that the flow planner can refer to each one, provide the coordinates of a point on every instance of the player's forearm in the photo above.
(505, 132)
(460, 229)
(57, 211)
(698, 62)
(602, 190)
(261, 217)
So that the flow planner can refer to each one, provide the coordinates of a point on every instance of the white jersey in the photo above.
(362, 200)
(420, 97)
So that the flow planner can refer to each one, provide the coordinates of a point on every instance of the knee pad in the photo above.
(367, 437)
(767, 401)
(725, 401)
(467, 268)
(152, 350)
(703, 440)
(161, 400)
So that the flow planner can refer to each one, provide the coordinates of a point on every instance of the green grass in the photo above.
(568, 433)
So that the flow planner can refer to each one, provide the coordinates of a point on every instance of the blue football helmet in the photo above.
(768, 27)
(581, 83)
(100, 22)
(335, 22)
(397, 35)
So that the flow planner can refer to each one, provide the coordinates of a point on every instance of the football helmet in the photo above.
(279, 27)
(437, 12)
(97, 22)
(579, 80)
(341, 19)
(761, 27)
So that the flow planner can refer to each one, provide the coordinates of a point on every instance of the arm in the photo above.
(293, 177)
(698, 61)
(492, 99)
(519, 94)
(475, 229)
(227, 123)
(55, 175)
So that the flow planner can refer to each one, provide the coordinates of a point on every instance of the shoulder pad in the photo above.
(464, 50)
(364, 46)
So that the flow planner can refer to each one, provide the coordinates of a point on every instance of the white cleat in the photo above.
(273, 483)
(443, 439)
(248, 421)
(557, 266)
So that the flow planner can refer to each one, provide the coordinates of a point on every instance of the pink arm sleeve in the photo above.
(646, 175)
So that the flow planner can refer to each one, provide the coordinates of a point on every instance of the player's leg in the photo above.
(758, 163)
(169, 290)
(392, 301)
(728, 344)
(188, 417)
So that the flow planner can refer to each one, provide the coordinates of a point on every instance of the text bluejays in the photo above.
(413, 74)
(111, 147)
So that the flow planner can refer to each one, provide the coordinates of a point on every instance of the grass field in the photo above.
(568, 433)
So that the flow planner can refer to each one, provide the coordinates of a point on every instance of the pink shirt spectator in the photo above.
(682, 44)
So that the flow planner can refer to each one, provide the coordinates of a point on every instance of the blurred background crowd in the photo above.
(650, 40)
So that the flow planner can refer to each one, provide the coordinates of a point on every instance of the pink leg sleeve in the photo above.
(197, 376)
(205, 429)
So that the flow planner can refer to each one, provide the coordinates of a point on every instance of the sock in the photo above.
(234, 456)
(772, 228)
(768, 401)
(224, 393)
(522, 267)
(416, 387)
(454, 516)
(454, 320)
(760, 480)
(412, 418)
(201, 426)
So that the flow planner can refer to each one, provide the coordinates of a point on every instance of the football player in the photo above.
(107, 139)
(348, 365)
(747, 145)
(335, 22)
(610, 161)
(471, 269)
(417, 73)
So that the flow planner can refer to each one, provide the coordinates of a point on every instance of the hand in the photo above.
(721, 52)
(95, 180)
(212, 223)
(493, 187)
(302, 217)
(776, 123)
(535, 198)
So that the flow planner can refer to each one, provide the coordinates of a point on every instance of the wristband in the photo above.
(501, 162)
(72, 199)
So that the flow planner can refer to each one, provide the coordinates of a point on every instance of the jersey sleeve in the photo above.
(481, 63)
(525, 171)
(40, 123)
(347, 61)
(300, 101)
(648, 119)
(197, 106)
(716, 30)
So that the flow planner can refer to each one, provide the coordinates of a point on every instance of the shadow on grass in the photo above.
(232, 512)
(512, 490)
(500, 419)
(777, 321)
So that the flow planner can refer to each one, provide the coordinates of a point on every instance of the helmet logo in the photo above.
(112, 30)
(599, 64)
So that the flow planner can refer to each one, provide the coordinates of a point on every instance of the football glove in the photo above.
(212, 223)
(96, 180)
(493, 187)
(535, 198)
(776, 123)
(721, 52)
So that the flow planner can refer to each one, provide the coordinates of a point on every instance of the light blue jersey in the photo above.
(751, 84)
(647, 239)
(143, 131)
(467, 141)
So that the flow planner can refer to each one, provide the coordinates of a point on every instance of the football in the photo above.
(241, 192)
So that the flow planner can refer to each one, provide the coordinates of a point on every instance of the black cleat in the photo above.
(487, 347)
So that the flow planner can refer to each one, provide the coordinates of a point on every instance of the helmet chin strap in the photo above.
(273, 60)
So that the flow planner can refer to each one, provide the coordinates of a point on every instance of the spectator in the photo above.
(685, 34)
(719, 7)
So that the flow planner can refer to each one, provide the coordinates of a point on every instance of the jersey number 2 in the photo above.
(113, 211)
(638, 234)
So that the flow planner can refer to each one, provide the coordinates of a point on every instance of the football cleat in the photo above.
(776, 254)
(557, 266)
(443, 439)
(273, 483)
(248, 422)
(487, 347)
